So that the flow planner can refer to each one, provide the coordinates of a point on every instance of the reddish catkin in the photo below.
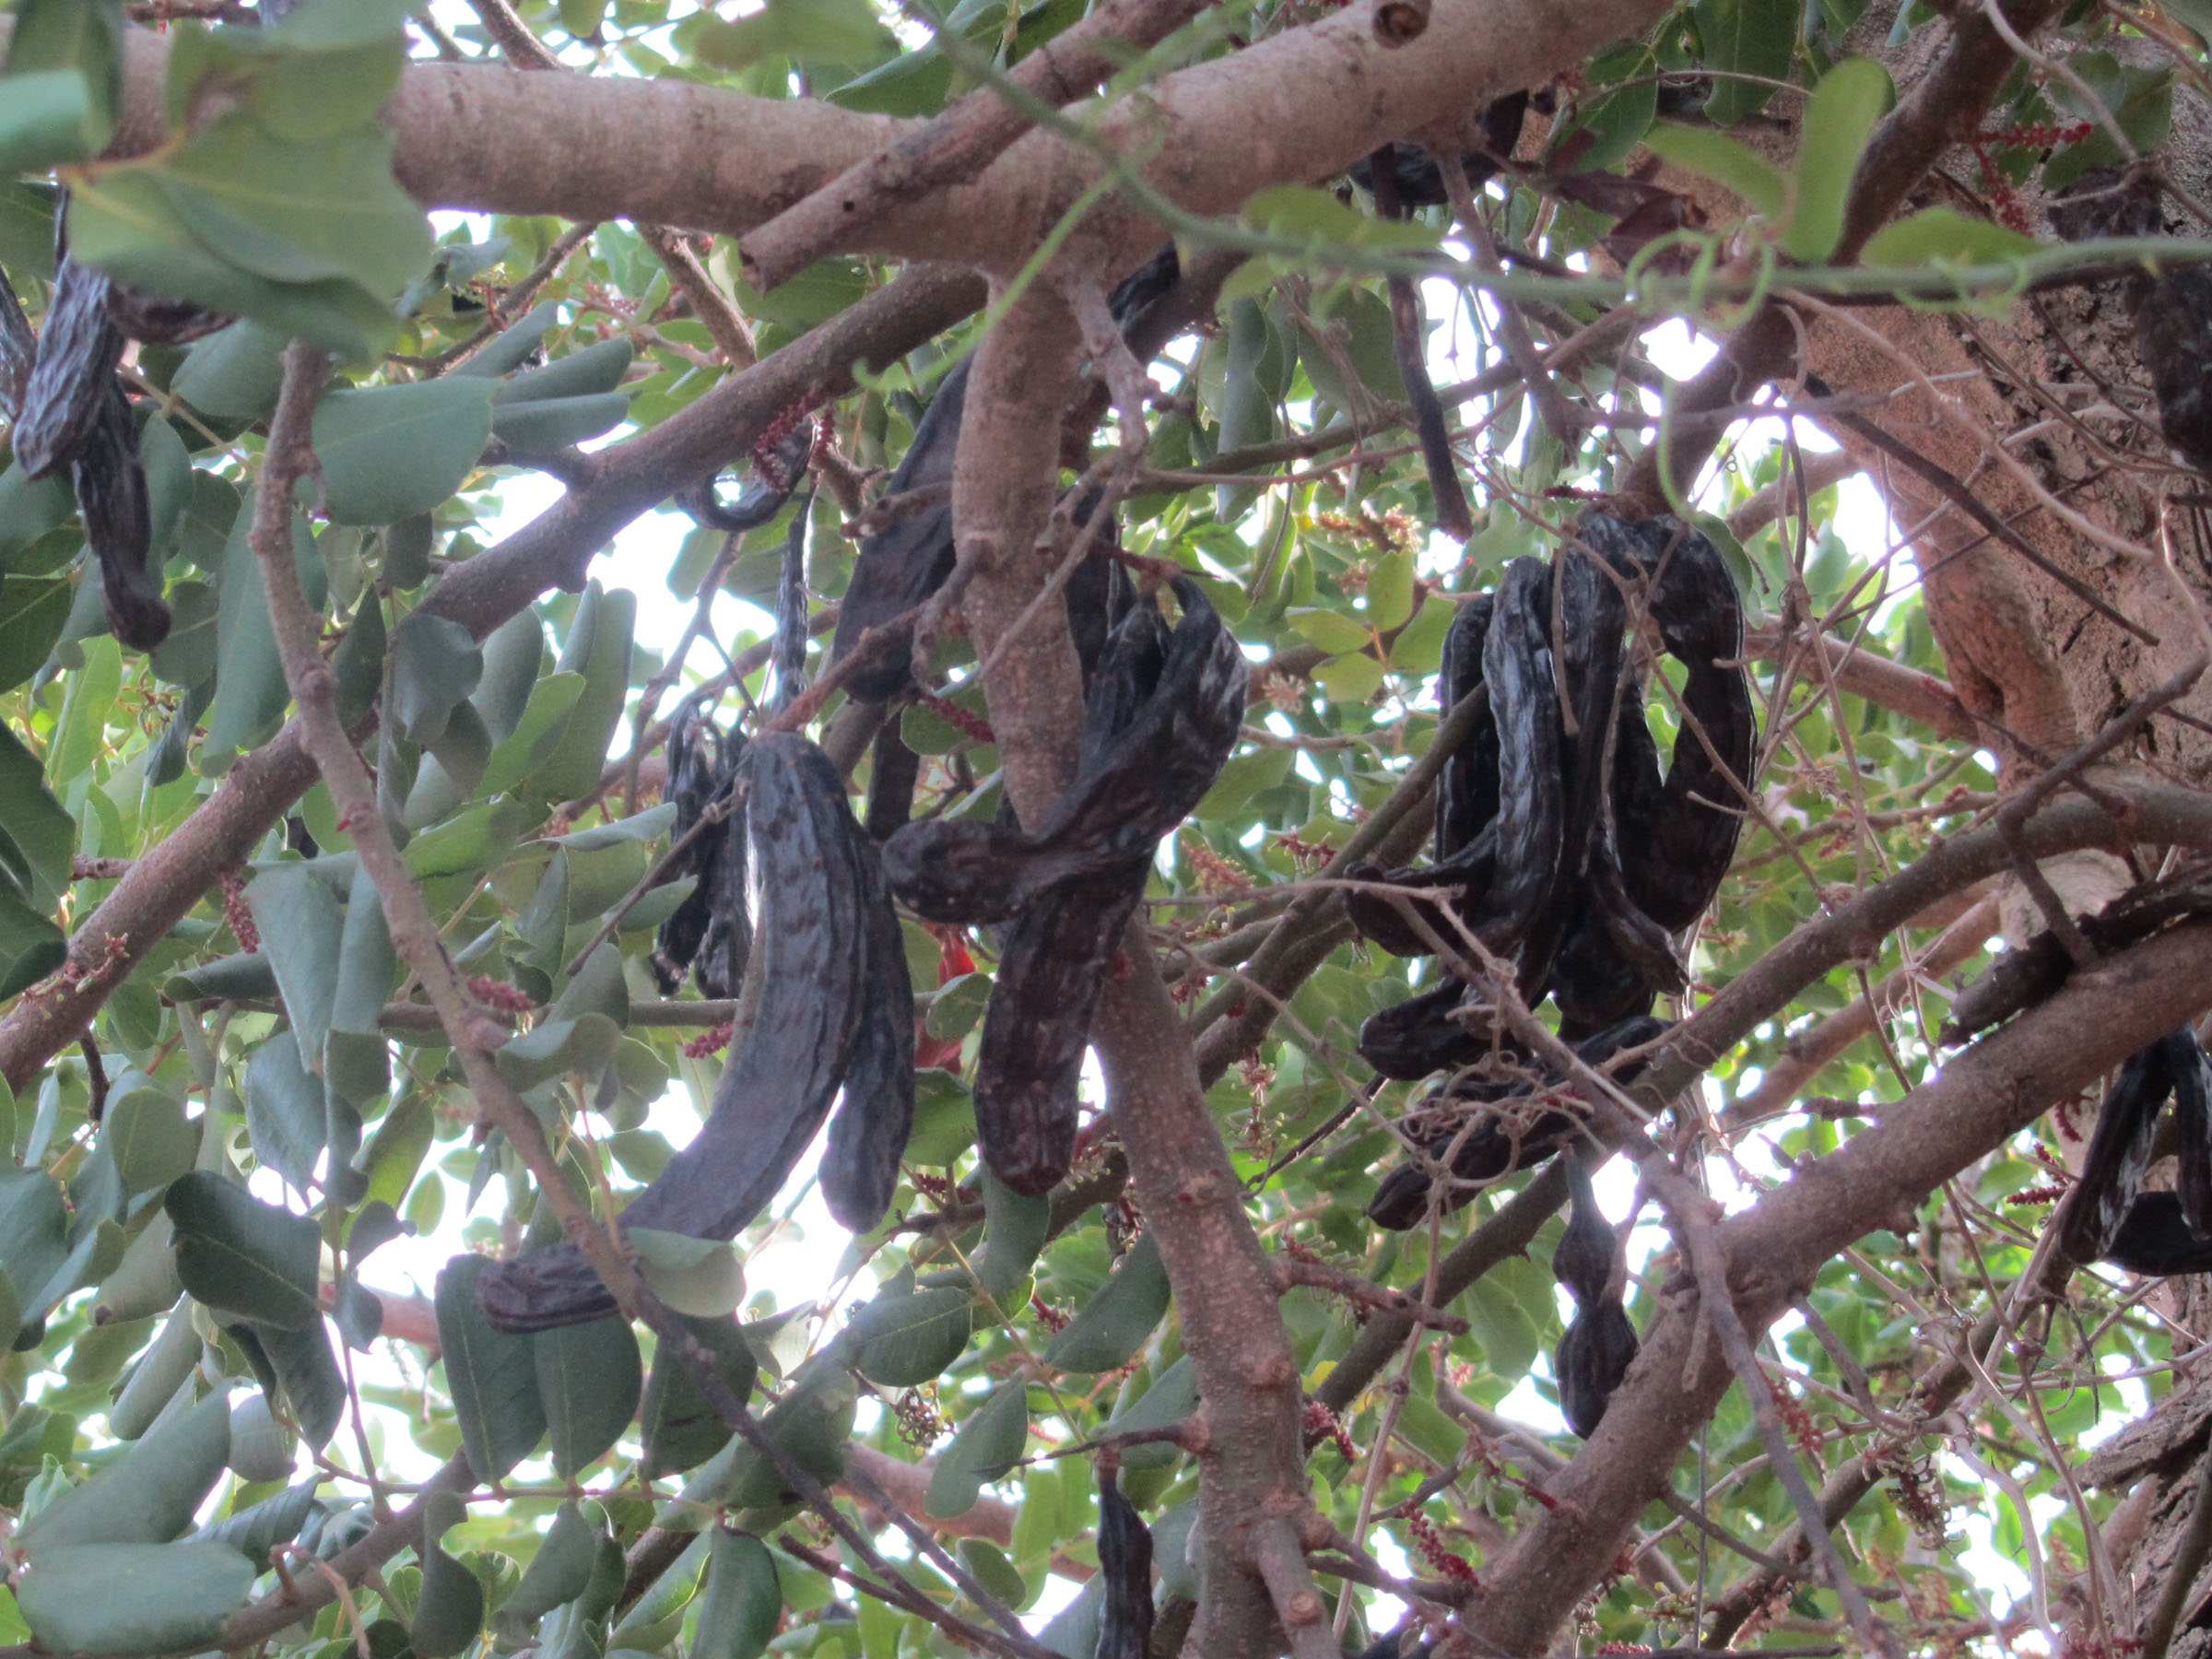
(711, 1040)
(1441, 1560)
(499, 994)
(966, 721)
(239, 914)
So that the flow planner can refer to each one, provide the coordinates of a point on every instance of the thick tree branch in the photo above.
(953, 146)
(1877, 1179)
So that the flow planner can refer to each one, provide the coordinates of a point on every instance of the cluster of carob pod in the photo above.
(1565, 853)
(835, 1005)
(67, 408)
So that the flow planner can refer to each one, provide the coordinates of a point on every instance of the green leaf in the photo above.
(436, 664)
(1756, 38)
(1332, 630)
(284, 1111)
(242, 1256)
(235, 372)
(1938, 236)
(32, 609)
(149, 1495)
(134, 1598)
(585, 1044)
(986, 1448)
(294, 209)
(1014, 1227)
(261, 1447)
(681, 1429)
(1616, 118)
(1115, 1324)
(1725, 161)
(161, 1371)
(41, 838)
(64, 82)
(34, 1230)
(301, 931)
(449, 1612)
(80, 735)
(988, 1565)
(260, 1527)
(812, 1423)
(123, 221)
(832, 32)
(568, 759)
(904, 1341)
(594, 371)
(559, 1573)
(146, 1133)
(540, 428)
(957, 1006)
(590, 1378)
(31, 947)
(307, 1368)
(492, 1376)
(743, 1603)
(246, 976)
(250, 694)
(1838, 120)
(701, 1277)
(1172, 1397)
(393, 451)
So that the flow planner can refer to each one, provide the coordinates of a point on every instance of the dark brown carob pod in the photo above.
(2111, 1171)
(776, 1090)
(1673, 859)
(907, 561)
(2155, 1239)
(1162, 715)
(1593, 1356)
(19, 349)
(710, 931)
(778, 465)
(1412, 1039)
(110, 481)
(1489, 1149)
(78, 348)
(1125, 1564)
(868, 1136)
(1584, 1259)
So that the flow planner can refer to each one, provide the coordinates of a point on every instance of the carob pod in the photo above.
(1056, 955)
(2111, 1171)
(1381, 921)
(160, 319)
(1053, 965)
(19, 349)
(907, 561)
(790, 650)
(1674, 861)
(2193, 1113)
(1466, 784)
(1400, 1201)
(110, 481)
(1599, 1344)
(711, 931)
(1156, 733)
(78, 348)
(1593, 1356)
(815, 919)
(776, 473)
(1409, 1039)
(1586, 1252)
(902, 564)
(1125, 1563)
(868, 1136)
(1517, 665)
(1413, 170)
(893, 770)
(1162, 715)
(2155, 1239)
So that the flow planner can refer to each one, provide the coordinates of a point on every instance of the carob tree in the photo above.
(1268, 913)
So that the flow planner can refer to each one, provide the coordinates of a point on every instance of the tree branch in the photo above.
(1875, 1180)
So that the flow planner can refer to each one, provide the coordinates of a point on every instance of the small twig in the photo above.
(1341, 1281)
(1282, 1563)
